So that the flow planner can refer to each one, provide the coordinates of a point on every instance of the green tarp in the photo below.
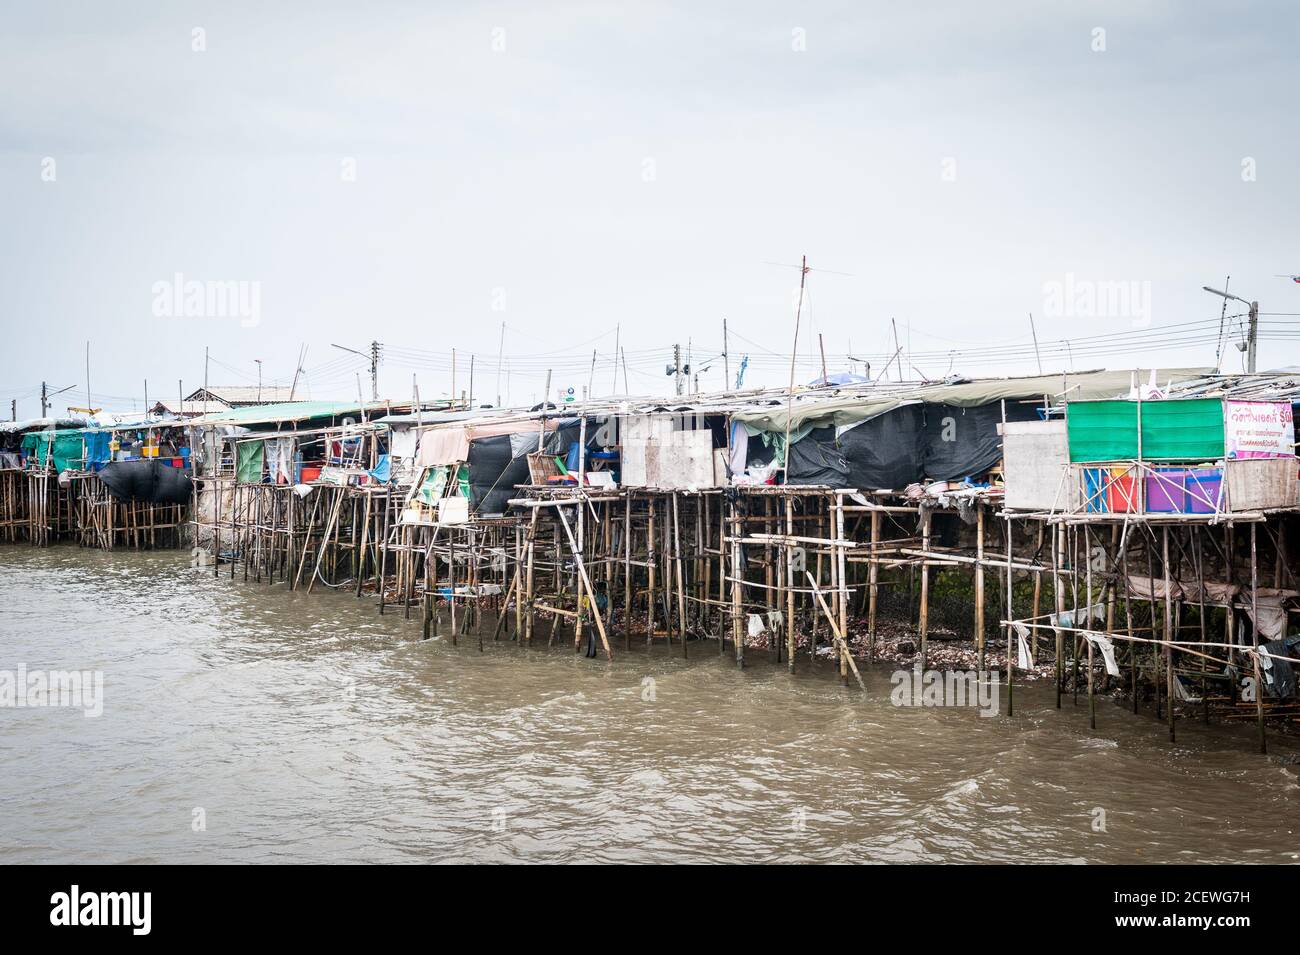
(434, 485)
(248, 461)
(1172, 430)
(65, 446)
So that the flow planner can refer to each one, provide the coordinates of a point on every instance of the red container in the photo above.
(178, 462)
(1122, 491)
(309, 474)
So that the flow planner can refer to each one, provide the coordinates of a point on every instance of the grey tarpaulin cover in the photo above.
(812, 462)
(1279, 676)
(884, 452)
(960, 442)
(148, 481)
(498, 463)
(915, 441)
(494, 471)
(863, 402)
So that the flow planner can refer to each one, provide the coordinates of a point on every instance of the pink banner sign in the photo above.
(1258, 429)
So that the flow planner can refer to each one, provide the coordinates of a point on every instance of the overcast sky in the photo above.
(593, 173)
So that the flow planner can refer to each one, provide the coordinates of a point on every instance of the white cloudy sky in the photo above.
(625, 172)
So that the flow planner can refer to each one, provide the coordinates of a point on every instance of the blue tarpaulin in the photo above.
(97, 450)
(383, 471)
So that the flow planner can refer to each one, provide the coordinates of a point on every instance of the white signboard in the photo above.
(1258, 429)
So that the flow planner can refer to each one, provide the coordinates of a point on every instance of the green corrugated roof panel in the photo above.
(1172, 430)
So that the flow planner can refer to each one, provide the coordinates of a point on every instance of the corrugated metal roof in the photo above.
(247, 394)
(290, 411)
(191, 407)
(860, 403)
(32, 424)
(444, 417)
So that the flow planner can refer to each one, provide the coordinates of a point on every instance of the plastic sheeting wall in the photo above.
(885, 452)
(500, 462)
(817, 462)
(963, 442)
(914, 442)
(149, 481)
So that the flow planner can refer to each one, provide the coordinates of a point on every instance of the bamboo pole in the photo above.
(582, 572)
(835, 628)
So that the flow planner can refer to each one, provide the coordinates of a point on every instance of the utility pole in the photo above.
(46, 395)
(1033, 331)
(374, 365)
(374, 371)
(618, 331)
(789, 410)
(297, 370)
(898, 350)
(675, 369)
(1252, 336)
(259, 379)
(726, 361)
(501, 348)
(1252, 327)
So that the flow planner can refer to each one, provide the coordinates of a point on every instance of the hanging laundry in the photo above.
(1107, 648)
(1181, 691)
(739, 448)
(1271, 611)
(1280, 675)
(1025, 659)
(383, 470)
(755, 624)
(279, 460)
(248, 467)
(1079, 617)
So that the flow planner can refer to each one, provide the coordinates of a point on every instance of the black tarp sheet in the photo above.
(916, 442)
(493, 473)
(146, 481)
(817, 462)
(884, 452)
(498, 463)
(964, 442)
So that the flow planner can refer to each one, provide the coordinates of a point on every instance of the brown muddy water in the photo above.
(301, 728)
